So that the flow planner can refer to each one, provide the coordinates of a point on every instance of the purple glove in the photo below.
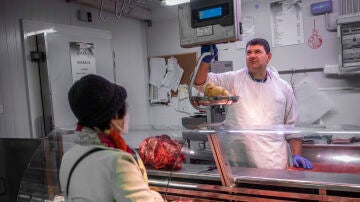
(300, 161)
(207, 48)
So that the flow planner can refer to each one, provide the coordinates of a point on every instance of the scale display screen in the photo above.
(209, 22)
(210, 13)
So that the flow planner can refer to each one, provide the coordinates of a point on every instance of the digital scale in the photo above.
(206, 22)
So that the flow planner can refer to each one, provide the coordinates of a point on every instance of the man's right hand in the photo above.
(207, 48)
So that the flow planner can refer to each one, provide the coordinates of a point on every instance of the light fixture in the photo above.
(43, 31)
(173, 2)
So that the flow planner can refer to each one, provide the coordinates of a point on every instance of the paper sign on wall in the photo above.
(286, 22)
(157, 71)
(82, 59)
(173, 75)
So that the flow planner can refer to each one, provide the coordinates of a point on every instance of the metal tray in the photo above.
(213, 101)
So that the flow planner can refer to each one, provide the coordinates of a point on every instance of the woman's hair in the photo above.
(106, 124)
(259, 41)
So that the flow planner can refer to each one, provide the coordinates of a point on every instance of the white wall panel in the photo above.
(346, 112)
(56, 11)
(131, 64)
(295, 56)
(3, 60)
(14, 90)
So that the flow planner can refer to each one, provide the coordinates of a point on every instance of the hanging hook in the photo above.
(118, 15)
(139, 1)
(129, 7)
(101, 11)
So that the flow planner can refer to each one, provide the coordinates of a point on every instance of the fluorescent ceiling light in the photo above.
(173, 2)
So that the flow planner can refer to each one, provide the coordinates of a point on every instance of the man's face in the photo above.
(257, 59)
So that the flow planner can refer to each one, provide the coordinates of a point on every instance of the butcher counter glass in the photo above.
(217, 165)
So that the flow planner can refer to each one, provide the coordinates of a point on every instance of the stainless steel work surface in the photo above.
(188, 171)
(277, 177)
(333, 181)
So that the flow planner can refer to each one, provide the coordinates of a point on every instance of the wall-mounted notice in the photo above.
(287, 22)
(82, 59)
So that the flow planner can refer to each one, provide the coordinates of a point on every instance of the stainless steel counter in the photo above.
(189, 172)
(306, 179)
(251, 184)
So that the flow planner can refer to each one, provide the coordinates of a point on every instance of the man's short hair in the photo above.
(259, 41)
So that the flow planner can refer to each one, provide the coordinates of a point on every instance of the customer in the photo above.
(111, 171)
(264, 99)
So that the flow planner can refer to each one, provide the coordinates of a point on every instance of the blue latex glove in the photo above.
(206, 48)
(300, 161)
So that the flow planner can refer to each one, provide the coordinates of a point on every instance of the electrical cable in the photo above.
(292, 83)
(173, 167)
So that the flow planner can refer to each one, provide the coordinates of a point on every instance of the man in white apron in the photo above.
(264, 99)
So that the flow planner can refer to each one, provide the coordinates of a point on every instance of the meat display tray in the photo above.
(213, 101)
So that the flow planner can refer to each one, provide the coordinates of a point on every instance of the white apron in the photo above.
(260, 104)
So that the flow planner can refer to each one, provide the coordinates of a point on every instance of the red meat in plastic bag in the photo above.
(161, 152)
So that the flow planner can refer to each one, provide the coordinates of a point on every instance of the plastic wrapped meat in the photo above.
(161, 152)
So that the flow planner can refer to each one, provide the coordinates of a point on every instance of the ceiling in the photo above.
(151, 4)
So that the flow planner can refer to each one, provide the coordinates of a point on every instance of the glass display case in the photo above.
(218, 166)
(15, 153)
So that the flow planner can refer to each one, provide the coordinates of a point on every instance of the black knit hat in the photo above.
(94, 100)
